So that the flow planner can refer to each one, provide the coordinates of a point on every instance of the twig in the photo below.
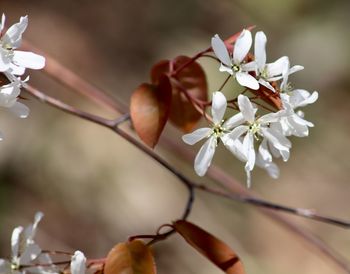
(224, 83)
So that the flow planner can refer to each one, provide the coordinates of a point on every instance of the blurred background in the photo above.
(96, 190)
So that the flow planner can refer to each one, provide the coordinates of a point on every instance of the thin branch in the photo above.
(224, 83)
(302, 212)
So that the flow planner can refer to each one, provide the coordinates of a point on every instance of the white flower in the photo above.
(292, 99)
(267, 72)
(235, 65)
(217, 132)
(78, 263)
(295, 124)
(13, 59)
(255, 128)
(287, 70)
(9, 94)
(24, 249)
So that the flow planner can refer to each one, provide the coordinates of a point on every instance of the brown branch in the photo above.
(215, 173)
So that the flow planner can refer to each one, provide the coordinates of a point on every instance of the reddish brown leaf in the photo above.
(130, 258)
(192, 78)
(269, 97)
(159, 69)
(183, 114)
(149, 109)
(212, 248)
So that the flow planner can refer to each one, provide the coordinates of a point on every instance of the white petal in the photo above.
(246, 107)
(285, 155)
(196, 136)
(234, 121)
(31, 229)
(276, 68)
(271, 168)
(235, 147)
(295, 69)
(5, 61)
(260, 49)
(204, 156)
(246, 80)
(237, 132)
(242, 46)
(224, 68)
(20, 110)
(218, 107)
(264, 152)
(8, 95)
(272, 117)
(30, 253)
(249, 178)
(2, 23)
(300, 120)
(13, 35)
(220, 50)
(310, 100)
(251, 66)
(16, 70)
(78, 263)
(16, 241)
(276, 139)
(28, 60)
(248, 144)
(266, 84)
(298, 129)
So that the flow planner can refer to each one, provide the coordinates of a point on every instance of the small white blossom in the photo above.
(235, 65)
(257, 128)
(292, 99)
(78, 263)
(10, 57)
(9, 94)
(267, 72)
(217, 132)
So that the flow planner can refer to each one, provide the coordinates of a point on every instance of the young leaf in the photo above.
(183, 114)
(149, 109)
(269, 97)
(193, 80)
(130, 258)
(212, 248)
(159, 69)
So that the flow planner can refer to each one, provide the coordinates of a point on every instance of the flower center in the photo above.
(255, 128)
(15, 266)
(218, 131)
(288, 88)
(264, 73)
(236, 68)
(8, 48)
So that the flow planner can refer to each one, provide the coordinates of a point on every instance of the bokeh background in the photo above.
(96, 190)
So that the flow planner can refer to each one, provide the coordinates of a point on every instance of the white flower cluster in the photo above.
(13, 63)
(253, 139)
(27, 257)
